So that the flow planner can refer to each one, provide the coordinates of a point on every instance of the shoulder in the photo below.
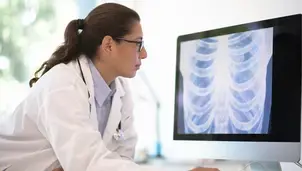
(59, 77)
(60, 83)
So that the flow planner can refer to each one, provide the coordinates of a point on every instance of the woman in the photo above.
(67, 120)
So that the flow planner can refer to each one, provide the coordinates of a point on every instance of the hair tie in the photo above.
(80, 24)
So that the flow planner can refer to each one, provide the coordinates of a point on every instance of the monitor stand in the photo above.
(226, 165)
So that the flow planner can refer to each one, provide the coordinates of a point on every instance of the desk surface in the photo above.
(166, 165)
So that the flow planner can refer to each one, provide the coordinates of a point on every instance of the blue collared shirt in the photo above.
(103, 95)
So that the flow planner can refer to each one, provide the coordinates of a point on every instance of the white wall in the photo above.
(163, 21)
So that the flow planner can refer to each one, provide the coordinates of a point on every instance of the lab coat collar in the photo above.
(88, 77)
(115, 112)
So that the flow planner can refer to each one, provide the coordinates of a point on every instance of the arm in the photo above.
(64, 121)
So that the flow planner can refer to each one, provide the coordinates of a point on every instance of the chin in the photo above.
(129, 75)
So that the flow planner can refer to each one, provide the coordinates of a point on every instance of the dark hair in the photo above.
(110, 19)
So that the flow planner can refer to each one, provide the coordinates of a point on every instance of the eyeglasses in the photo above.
(140, 44)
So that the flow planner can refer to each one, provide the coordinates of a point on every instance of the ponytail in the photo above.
(69, 51)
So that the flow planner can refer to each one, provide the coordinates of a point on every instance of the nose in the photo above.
(143, 53)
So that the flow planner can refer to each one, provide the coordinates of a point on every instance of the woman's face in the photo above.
(128, 53)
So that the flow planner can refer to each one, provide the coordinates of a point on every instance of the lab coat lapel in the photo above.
(115, 113)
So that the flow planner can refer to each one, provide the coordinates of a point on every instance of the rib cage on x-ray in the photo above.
(225, 88)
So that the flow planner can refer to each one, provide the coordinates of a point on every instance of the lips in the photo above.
(137, 66)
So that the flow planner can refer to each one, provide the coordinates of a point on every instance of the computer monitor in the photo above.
(238, 91)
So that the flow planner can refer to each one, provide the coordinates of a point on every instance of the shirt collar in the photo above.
(101, 90)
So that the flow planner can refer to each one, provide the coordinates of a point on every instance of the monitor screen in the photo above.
(240, 83)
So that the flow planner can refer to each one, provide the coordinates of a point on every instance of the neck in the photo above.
(106, 72)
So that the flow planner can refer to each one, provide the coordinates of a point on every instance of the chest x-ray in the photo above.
(227, 83)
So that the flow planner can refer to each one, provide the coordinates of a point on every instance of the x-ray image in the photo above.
(226, 83)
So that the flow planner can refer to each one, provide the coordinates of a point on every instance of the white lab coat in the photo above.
(53, 126)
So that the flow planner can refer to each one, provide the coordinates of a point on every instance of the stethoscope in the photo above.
(119, 134)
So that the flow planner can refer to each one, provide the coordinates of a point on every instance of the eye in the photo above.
(140, 46)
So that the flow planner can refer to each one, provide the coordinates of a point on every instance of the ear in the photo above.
(107, 44)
